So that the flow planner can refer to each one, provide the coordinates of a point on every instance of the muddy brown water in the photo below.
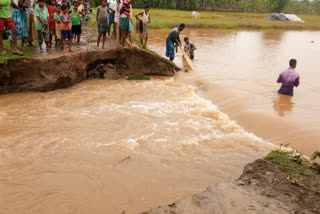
(114, 146)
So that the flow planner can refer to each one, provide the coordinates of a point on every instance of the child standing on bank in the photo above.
(76, 24)
(102, 20)
(42, 15)
(66, 33)
(58, 26)
(52, 25)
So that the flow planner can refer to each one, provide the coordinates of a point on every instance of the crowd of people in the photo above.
(57, 22)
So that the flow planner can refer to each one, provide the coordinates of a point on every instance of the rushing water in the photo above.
(114, 146)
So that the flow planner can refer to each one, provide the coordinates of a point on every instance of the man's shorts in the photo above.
(66, 34)
(76, 29)
(111, 18)
(124, 23)
(8, 23)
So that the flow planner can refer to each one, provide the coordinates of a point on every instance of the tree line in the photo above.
(259, 6)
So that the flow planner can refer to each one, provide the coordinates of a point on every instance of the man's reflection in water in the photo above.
(283, 104)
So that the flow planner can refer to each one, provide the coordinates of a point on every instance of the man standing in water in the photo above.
(289, 78)
(173, 38)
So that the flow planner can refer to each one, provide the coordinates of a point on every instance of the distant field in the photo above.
(162, 19)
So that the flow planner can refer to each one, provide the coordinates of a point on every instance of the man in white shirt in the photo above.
(112, 4)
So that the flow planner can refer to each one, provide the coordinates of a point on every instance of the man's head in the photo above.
(64, 9)
(53, 2)
(181, 27)
(186, 40)
(75, 5)
(104, 3)
(293, 63)
(147, 8)
(64, 2)
(58, 8)
(41, 3)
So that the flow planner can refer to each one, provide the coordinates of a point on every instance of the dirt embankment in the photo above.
(60, 72)
(271, 185)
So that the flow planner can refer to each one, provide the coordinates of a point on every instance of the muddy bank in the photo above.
(271, 185)
(49, 74)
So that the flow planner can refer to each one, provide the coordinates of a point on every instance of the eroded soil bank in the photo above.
(279, 183)
(49, 74)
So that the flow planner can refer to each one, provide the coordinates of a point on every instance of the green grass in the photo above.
(28, 52)
(164, 19)
(285, 159)
(297, 169)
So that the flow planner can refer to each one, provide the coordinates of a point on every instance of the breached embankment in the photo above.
(279, 183)
(49, 74)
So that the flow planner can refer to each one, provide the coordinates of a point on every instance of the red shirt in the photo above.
(65, 26)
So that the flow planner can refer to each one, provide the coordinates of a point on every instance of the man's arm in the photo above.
(297, 82)
(138, 14)
(149, 19)
(279, 80)
(13, 4)
(98, 11)
(193, 48)
(64, 20)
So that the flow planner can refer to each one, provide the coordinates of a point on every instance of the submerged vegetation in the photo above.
(138, 77)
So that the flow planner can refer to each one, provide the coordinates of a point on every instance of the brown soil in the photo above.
(46, 74)
(264, 187)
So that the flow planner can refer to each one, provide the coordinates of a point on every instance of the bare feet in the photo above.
(4, 53)
(17, 52)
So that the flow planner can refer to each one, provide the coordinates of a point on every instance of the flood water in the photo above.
(113, 146)
(237, 70)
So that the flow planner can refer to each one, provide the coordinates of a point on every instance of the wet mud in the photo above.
(47, 74)
(264, 187)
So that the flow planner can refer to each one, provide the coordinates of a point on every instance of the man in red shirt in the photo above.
(124, 20)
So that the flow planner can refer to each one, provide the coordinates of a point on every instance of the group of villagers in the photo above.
(120, 16)
(40, 22)
(55, 19)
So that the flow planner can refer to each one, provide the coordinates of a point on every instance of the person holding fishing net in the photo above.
(172, 40)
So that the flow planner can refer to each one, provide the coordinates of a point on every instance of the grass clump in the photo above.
(138, 77)
(28, 52)
(290, 161)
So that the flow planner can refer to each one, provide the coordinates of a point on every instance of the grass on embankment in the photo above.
(28, 51)
(164, 19)
(296, 167)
